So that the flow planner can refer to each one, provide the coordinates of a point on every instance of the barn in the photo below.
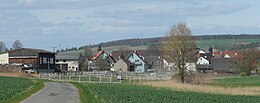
(42, 60)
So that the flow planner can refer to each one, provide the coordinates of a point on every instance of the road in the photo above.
(55, 92)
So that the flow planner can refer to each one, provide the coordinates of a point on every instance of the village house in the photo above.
(203, 62)
(101, 54)
(153, 61)
(123, 65)
(4, 58)
(69, 61)
(140, 65)
(217, 61)
(42, 60)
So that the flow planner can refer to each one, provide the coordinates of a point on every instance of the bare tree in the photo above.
(246, 61)
(87, 55)
(102, 64)
(155, 48)
(2, 47)
(17, 45)
(178, 46)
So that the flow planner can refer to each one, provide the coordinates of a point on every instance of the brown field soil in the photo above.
(25, 75)
(205, 88)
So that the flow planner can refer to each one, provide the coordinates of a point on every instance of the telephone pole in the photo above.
(54, 48)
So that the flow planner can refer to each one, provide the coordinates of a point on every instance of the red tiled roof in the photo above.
(98, 54)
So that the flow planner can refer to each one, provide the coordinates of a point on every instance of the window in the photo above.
(44, 60)
(64, 60)
(136, 60)
(51, 60)
(57, 60)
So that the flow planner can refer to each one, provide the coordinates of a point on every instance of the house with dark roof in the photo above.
(101, 55)
(140, 65)
(222, 65)
(204, 60)
(69, 61)
(123, 65)
(153, 59)
(42, 60)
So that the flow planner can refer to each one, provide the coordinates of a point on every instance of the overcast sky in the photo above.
(46, 23)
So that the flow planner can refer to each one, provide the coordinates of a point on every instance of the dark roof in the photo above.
(221, 64)
(68, 56)
(138, 55)
(127, 62)
(116, 54)
(204, 67)
(34, 50)
(154, 60)
(145, 53)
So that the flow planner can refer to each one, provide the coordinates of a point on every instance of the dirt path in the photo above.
(55, 92)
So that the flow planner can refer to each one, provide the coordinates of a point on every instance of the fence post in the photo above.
(89, 77)
(79, 78)
(49, 78)
(100, 79)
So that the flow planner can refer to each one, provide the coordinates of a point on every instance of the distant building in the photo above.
(4, 58)
(222, 65)
(42, 60)
(69, 61)
(204, 60)
(140, 65)
(101, 54)
(123, 65)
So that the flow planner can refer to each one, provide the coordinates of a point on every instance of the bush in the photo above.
(243, 74)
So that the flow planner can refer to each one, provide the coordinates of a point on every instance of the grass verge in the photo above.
(86, 95)
(37, 85)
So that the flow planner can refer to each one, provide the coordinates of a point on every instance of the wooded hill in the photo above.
(222, 42)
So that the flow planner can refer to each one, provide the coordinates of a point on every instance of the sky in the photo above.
(72, 23)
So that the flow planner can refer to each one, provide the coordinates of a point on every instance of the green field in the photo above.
(14, 90)
(238, 82)
(126, 93)
(224, 42)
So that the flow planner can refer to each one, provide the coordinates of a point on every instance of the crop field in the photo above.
(125, 93)
(239, 82)
(10, 86)
(224, 42)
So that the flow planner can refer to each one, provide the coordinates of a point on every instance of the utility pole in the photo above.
(142, 40)
(54, 48)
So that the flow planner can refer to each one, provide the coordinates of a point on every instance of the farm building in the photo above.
(4, 58)
(123, 65)
(69, 61)
(42, 60)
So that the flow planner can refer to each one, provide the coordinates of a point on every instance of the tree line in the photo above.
(16, 45)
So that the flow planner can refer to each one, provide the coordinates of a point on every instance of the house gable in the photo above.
(202, 61)
(138, 61)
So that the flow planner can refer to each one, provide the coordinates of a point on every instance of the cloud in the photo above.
(98, 20)
(19, 23)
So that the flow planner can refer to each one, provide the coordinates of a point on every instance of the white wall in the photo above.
(72, 65)
(4, 58)
(202, 61)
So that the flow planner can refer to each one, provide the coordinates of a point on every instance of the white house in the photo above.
(202, 61)
(4, 58)
(69, 61)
